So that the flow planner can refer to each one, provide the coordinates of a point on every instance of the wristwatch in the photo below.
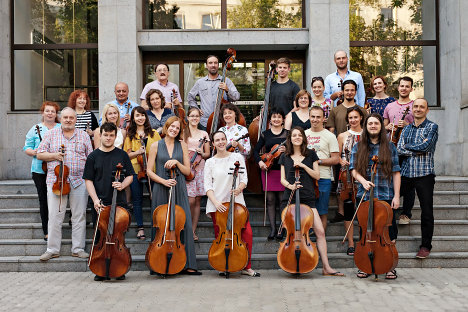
(320, 162)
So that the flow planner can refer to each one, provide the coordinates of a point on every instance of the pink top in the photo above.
(194, 141)
(396, 110)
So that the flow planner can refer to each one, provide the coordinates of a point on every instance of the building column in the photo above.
(328, 23)
(119, 55)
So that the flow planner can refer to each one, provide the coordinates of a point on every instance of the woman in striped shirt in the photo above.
(85, 119)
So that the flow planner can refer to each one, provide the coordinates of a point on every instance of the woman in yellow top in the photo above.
(139, 136)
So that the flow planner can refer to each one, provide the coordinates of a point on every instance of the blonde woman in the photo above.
(110, 113)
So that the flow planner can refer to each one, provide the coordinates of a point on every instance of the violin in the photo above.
(396, 131)
(258, 126)
(44, 163)
(341, 98)
(142, 161)
(178, 111)
(123, 122)
(195, 159)
(375, 253)
(274, 153)
(297, 254)
(88, 128)
(231, 148)
(215, 121)
(166, 254)
(61, 185)
(228, 252)
(348, 190)
(109, 257)
(368, 107)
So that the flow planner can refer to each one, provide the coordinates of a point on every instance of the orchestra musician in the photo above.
(346, 142)
(379, 102)
(122, 102)
(207, 90)
(318, 88)
(77, 148)
(218, 183)
(387, 181)
(99, 173)
(299, 117)
(162, 84)
(140, 129)
(195, 188)
(49, 112)
(271, 178)
(110, 113)
(297, 154)
(283, 90)
(85, 120)
(234, 131)
(164, 155)
(157, 113)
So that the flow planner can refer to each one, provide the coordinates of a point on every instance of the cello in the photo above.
(215, 121)
(195, 159)
(297, 254)
(166, 254)
(375, 253)
(228, 252)
(109, 257)
(61, 185)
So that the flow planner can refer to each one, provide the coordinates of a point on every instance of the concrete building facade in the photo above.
(123, 44)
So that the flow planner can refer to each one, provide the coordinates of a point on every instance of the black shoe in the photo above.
(120, 278)
(69, 222)
(350, 251)
(279, 236)
(272, 234)
(99, 278)
(338, 218)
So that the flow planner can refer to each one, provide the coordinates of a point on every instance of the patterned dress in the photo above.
(195, 187)
(235, 132)
(378, 105)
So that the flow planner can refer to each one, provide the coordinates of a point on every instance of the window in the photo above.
(216, 14)
(54, 51)
(395, 39)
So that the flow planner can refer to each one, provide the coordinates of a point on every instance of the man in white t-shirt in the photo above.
(325, 145)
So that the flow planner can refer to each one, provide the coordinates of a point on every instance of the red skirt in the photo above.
(274, 181)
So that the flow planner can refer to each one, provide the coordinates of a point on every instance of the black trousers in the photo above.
(41, 187)
(424, 187)
(408, 198)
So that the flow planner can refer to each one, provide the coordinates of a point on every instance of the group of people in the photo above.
(326, 135)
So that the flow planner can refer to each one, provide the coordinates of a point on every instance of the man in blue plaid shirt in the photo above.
(417, 146)
(387, 179)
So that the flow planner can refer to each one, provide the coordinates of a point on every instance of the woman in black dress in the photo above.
(297, 154)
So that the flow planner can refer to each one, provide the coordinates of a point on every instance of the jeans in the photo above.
(137, 199)
(425, 189)
(41, 187)
(322, 202)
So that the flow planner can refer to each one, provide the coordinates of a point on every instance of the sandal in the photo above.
(361, 274)
(350, 251)
(139, 235)
(391, 275)
(251, 273)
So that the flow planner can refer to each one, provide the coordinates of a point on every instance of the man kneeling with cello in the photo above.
(380, 190)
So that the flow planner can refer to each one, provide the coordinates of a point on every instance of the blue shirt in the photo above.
(32, 142)
(122, 108)
(419, 152)
(333, 84)
(383, 189)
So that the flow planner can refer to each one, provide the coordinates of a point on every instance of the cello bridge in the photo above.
(109, 243)
(371, 241)
(170, 240)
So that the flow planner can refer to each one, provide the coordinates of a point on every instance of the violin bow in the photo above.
(266, 190)
(95, 232)
(146, 159)
(355, 213)
(61, 185)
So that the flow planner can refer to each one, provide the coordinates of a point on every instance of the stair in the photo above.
(21, 241)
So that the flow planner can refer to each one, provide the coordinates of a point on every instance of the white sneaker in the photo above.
(404, 219)
(46, 256)
(81, 254)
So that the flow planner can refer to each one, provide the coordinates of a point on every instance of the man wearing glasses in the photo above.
(164, 85)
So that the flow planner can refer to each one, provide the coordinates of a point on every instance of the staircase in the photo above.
(21, 241)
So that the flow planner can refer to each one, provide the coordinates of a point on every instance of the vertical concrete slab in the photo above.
(5, 79)
(328, 22)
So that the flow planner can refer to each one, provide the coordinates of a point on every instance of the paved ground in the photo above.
(414, 290)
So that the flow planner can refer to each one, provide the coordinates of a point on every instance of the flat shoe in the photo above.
(333, 274)
(350, 251)
(391, 275)
(121, 278)
(361, 274)
(253, 274)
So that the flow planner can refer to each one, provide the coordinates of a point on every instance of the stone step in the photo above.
(205, 229)
(259, 262)
(35, 247)
(256, 214)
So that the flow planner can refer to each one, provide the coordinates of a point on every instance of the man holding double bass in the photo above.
(207, 89)
(99, 173)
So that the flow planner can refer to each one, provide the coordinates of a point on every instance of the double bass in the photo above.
(228, 252)
(297, 254)
(166, 254)
(375, 253)
(215, 121)
(110, 257)
(61, 185)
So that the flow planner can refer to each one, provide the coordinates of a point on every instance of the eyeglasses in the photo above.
(162, 70)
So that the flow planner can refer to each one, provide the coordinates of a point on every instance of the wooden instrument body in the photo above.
(178, 111)
(142, 161)
(44, 163)
(230, 240)
(195, 160)
(221, 123)
(111, 246)
(167, 242)
(61, 185)
(348, 189)
(397, 132)
(297, 240)
(274, 153)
